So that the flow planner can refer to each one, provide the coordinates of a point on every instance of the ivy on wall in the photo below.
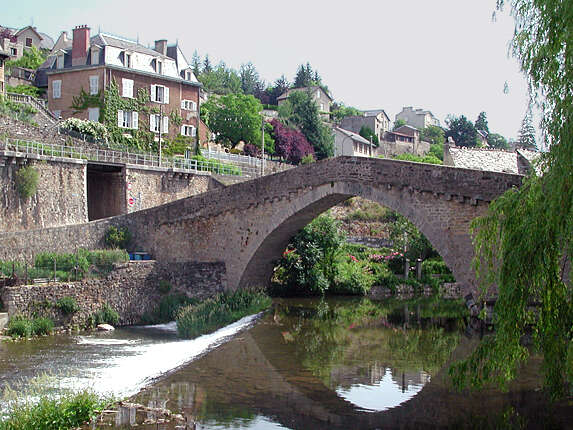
(85, 100)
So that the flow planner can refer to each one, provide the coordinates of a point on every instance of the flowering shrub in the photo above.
(95, 129)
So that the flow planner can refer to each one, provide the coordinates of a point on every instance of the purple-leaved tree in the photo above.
(290, 144)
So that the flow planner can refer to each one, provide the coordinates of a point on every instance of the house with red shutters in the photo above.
(155, 89)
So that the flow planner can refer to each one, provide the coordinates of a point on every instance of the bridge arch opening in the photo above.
(445, 229)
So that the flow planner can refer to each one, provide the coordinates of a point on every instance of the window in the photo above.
(127, 119)
(95, 56)
(188, 105)
(29, 42)
(155, 122)
(159, 94)
(159, 67)
(93, 114)
(13, 52)
(94, 85)
(60, 61)
(127, 88)
(127, 59)
(56, 89)
(188, 130)
(188, 75)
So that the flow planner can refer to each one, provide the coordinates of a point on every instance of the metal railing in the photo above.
(39, 104)
(233, 158)
(118, 157)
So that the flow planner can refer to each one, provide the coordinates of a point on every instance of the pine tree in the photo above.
(196, 64)
(481, 122)
(207, 67)
(527, 132)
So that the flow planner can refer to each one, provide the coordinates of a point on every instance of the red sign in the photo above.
(131, 201)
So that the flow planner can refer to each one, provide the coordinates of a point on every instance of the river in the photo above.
(305, 364)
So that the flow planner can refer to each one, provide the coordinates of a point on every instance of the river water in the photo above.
(306, 364)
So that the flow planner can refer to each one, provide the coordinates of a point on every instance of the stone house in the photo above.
(418, 118)
(347, 142)
(322, 98)
(377, 120)
(23, 39)
(493, 160)
(76, 77)
(3, 57)
(404, 139)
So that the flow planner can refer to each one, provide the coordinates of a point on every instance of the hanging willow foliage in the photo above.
(524, 244)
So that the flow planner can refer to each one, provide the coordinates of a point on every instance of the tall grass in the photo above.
(216, 312)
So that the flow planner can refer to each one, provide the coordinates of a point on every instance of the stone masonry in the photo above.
(248, 225)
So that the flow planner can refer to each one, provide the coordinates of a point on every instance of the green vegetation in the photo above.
(117, 237)
(368, 134)
(524, 242)
(105, 315)
(27, 181)
(20, 326)
(27, 90)
(168, 308)
(216, 312)
(95, 129)
(19, 111)
(39, 408)
(67, 305)
(367, 211)
(32, 58)
(433, 134)
(430, 158)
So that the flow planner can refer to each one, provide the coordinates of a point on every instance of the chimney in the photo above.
(80, 45)
(161, 46)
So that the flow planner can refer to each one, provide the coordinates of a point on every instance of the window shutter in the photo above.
(165, 128)
(153, 92)
(120, 118)
(152, 122)
(166, 94)
(183, 130)
(193, 106)
(193, 131)
(135, 120)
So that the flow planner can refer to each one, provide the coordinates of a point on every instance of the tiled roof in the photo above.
(352, 135)
(103, 39)
(492, 160)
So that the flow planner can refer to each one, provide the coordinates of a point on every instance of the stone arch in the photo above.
(444, 221)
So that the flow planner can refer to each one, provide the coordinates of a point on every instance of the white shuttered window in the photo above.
(56, 89)
(127, 88)
(94, 84)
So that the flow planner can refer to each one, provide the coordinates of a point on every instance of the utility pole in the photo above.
(160, 121)
(263, 148)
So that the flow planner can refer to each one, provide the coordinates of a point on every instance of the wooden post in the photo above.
(406, 268)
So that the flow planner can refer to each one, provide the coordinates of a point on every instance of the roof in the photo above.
(493, 160)
(104, 39)
(314, 87)
(47, 42)
(375, 112)
(352, 135)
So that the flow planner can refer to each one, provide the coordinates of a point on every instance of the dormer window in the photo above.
(159, 67)
(95, 56)
(60, 61)
(127, 60)
(187, 75)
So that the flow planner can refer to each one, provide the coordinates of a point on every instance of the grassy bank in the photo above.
(216, 312)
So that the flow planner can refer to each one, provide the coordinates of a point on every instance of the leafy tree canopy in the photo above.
(301, 111)
(432, 134)
(306, 77)
(338, 111)
(367, 133)
(497, 141)
(290, 143)
(481, 122)
(32, 58)
(524, 244)
(221, 80)
(250, 80)
(398, 123)
(462, 131)
(527, 132)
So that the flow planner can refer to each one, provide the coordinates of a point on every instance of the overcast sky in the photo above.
(443, 55)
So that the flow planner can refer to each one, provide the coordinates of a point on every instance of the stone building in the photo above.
(76, 76)
(349, 143)
(404, 139)
(3, 57)
(376, 120)
(418, 118)
(493, 160)
(321, 97)
(25, 38)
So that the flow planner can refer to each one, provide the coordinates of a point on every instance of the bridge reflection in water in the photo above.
(307, 366)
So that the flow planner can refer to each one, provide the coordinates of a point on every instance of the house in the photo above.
(404, 139)
(157, 89)
(377, 120)
(3, 57)
(418, 118)
(10, 43)
(493, 160)
(321, 97)
(347, 142)
(25, 38)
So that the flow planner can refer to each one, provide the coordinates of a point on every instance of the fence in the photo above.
(39, 104)
(117, 157)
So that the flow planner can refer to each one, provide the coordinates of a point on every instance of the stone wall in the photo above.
(61, 196)
(131, 289)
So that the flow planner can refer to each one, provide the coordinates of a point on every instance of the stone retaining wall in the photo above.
(132, 290)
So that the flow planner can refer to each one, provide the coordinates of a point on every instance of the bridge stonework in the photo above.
(248, 225)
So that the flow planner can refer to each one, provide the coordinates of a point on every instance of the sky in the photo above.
(447, 56)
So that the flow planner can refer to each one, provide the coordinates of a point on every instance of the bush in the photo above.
(42, 326)
(307, 159)
(106, 315)
(164, 286)
(223, 309)
(67, 305)
(19, 326)
(117, 237)
(29, 90)
(435, 266)
(27, 181)
(354, 277)
(95, 129)
(19, 111)
(104, 259)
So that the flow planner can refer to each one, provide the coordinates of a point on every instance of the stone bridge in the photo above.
(248, 225)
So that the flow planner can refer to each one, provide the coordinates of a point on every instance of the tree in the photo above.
(398, 123)
(233, 118)
(305, 77)
(338, 111)
(250, 80)
(196, 64)
(462, 131)
(497, 141)
(207, 68)
(432, 134)
(221, 80)
(527, 132)
(32, 58)
(481, 122)
(367, 133)
(524, 244)
(290, 143)
(301, 111)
